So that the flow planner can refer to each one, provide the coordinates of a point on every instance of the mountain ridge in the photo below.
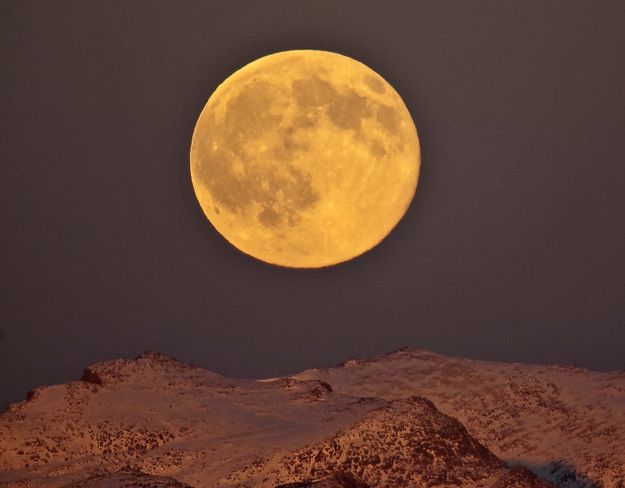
(163, 417)
(564, 422)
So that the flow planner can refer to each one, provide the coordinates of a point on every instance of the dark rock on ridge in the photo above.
(128, 480)
(337, 480)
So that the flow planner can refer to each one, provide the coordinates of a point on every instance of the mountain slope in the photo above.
(163, 417)
(405, 443)
(159, 417)
(564, 422)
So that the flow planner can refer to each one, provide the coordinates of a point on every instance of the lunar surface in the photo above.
(305, 158)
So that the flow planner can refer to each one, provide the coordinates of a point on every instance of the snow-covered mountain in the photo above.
(566, 423)
(157, 422)
(405, 443)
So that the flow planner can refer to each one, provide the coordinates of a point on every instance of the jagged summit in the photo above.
(158, 357)
(119, 370)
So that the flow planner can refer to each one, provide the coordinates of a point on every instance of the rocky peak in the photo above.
(157, 357)
(384, 448)
(119, 370)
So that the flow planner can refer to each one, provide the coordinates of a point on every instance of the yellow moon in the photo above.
(305, 158)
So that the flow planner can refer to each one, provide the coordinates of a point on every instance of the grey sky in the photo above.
(511, 250)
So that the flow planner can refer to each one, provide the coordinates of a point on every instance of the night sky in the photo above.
(513, 248)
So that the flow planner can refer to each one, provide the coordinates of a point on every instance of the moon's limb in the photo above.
(305, 158)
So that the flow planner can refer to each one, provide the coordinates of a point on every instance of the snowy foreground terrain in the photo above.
(407, 419)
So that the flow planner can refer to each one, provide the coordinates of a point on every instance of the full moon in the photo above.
(305, 158)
